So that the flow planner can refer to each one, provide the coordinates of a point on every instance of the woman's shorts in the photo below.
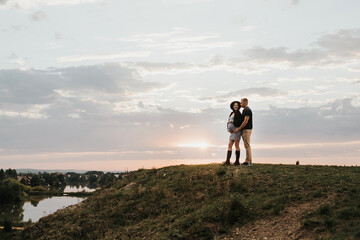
(233, 136)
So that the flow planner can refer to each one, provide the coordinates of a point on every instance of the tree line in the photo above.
(15, 186)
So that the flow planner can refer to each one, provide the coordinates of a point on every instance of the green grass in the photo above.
(203, 201)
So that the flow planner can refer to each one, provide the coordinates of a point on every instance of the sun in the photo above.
(201, 145)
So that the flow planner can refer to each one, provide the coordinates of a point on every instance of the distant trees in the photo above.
(35, 181)
(11, 173)
(11, 191)
(56, 180)
(2, 175)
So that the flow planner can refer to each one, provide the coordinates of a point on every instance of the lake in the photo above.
(47, 206)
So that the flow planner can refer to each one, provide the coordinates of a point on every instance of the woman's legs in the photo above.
(230, 145)
(237, 146)
(228, 155)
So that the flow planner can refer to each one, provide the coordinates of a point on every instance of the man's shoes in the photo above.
(236, 163)
(245, 163)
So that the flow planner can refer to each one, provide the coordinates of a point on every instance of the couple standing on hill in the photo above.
(239, 125)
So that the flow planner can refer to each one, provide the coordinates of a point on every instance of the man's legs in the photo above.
(246, 133)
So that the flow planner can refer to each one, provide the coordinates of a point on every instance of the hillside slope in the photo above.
(214, 202)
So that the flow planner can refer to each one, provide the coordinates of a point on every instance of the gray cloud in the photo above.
(341, 43)
(246, 92)
(331, 49)
(18, 27)
(282, 54)
(335, 121)
(39, 86)
(65, 94)
(37, 16)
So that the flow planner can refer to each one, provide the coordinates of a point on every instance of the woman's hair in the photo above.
(232, 105)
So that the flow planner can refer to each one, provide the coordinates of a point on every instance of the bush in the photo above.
(221, 171)
(7, 225)
(201, 231)
(324, 210)
(237, 213)
(11, 191)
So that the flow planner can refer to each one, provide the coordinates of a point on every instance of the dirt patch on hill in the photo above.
(287, 225)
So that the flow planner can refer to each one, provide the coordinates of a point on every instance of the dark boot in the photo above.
(236, 163)
(228, 156)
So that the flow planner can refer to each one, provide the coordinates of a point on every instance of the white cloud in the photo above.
(26, 4)
(255, 92)
(186, 1)
(178, 40)
(18, 27)
(37, 16)
(106, 56)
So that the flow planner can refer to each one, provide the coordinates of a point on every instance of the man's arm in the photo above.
(246, 119)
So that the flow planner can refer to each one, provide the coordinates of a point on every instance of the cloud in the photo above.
(24, 4)
(178, 40)
(334, 121)
(279, 133)
(186, 1)
(341, 43)
(37, 16)
(88, 57)
(17, 27)
(283, 55)
(246, 92)
(13, 58)
(103, 82)
(334, 49)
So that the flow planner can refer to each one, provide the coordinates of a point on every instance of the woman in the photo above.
(234, 121)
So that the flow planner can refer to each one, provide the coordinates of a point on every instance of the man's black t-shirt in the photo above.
(247, 112)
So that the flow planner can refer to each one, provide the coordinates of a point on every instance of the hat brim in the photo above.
(232, 104)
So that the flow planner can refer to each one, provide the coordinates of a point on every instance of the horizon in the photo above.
(143, 84)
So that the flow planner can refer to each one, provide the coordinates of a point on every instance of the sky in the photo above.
(119, 85)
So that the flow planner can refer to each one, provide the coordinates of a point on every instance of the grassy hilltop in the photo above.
(215, 202)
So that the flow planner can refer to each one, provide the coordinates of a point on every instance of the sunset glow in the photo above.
(201, 145)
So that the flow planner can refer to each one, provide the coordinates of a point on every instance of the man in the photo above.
(246, 128)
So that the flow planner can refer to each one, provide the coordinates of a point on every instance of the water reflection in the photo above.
(35, 209)
(13, 212)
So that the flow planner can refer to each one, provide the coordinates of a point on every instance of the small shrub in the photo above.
(200, 231)
(277, 209)
(357, 234)
(349, 213)
(329, 223)
(221, 171)
(238, 186)
(237, 212)
(7, 225)
(324, 210)
(310, 223)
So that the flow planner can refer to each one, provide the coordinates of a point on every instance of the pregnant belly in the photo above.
(231, 127)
